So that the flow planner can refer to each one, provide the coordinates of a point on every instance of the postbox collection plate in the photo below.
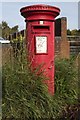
(41, 45)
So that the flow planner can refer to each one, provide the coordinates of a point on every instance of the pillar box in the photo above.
(40, 25)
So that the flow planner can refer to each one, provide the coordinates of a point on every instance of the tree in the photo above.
(14, 29)
(68, 32)
(74, 32)
(5, 29)
(4, 24)
(79, 32)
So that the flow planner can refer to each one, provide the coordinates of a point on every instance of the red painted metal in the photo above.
(40, 23)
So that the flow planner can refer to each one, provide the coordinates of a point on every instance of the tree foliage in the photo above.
(6, 30)
(73, 32)
(14, 29)
(68, 32)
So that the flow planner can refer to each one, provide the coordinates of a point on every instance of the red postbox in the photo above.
(40, 24)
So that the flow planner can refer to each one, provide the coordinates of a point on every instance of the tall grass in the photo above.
(66, 79)
(66, 88)
(24, 94)
(26, 97)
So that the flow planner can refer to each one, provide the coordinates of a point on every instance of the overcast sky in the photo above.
(11, 12)
(79, 15)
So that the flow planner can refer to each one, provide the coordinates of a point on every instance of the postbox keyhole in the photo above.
(51, 64)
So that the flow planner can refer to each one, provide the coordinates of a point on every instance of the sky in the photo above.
(79, 15)
(10, 12)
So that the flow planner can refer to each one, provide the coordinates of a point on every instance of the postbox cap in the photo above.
(39, 9)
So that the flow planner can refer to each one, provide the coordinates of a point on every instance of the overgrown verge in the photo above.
(25, 96)
(66, 88)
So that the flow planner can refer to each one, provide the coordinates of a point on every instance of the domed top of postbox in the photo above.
(41, 11)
